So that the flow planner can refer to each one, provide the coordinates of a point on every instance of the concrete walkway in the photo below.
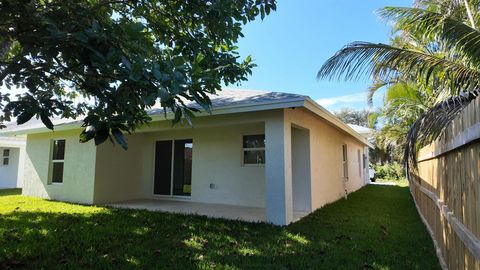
(383, 183)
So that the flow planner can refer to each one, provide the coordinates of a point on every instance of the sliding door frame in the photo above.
(172, 171)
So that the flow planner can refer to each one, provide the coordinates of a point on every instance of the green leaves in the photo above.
(46, 121)
(24, 117)
(120, 58)
(120, 138)
(101, 136)
(86, 136)
(431, 71)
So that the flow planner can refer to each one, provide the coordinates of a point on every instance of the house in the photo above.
(364, 131)
(259, 155)
(12, 159)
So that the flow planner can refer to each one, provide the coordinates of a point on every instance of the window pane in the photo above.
(254, 141)
(182, 175)
(5, 161)
(58, 150)
(345, 153)
(57, 172)
(187, 182)
(254, 157)
(6, 152)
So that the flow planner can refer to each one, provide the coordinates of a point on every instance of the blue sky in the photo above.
(291, 44)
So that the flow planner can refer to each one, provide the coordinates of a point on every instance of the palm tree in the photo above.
(403, 104)
(449, 65)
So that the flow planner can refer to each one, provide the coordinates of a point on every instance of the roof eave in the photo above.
(306, 102)
(270, 105)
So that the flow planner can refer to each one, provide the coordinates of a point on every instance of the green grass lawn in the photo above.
(376, 228)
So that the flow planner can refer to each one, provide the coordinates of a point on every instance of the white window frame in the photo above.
(251, 149)
(6, 157)
(345, 162)
(52, 161)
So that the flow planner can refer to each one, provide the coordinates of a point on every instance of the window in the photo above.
(58, 160)
(6, 156)
(254, 149)
(345, 162)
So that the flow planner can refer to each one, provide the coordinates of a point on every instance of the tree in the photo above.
(448, 65)
(356, 117)
(121, 57)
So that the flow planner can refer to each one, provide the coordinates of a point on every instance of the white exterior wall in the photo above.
(79, 168)
(109, 174)
(279, 199)
(9, 173)
(217, 159)
(301, 171)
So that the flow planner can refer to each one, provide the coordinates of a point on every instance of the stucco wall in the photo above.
(9, 173)
(79, 168)
(118, 172)
(216, 159)
(301, 170)
(326, 157)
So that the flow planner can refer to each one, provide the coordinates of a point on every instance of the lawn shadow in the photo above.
(10, 191)
(376, 227)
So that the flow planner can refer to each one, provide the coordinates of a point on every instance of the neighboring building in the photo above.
(12, 160)
(364, 131)
(276, 154)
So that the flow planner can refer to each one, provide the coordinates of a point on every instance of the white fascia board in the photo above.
(61, 127)
(322, 112)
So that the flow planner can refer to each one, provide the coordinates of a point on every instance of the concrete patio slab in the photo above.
(233, 212)
(251, 214)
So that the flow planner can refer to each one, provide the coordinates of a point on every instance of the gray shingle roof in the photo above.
(225, 98)
(238, 97)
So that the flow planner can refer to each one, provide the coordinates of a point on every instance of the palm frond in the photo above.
(373, 88)
(453, 32)
(430, 125)
(384, 62)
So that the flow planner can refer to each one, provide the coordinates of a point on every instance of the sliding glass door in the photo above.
(173, 167)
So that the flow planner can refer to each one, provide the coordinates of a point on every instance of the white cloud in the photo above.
(343, 100)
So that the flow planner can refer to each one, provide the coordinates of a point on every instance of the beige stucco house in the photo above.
(272, 156)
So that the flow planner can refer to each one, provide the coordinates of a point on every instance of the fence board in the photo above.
(446, 190)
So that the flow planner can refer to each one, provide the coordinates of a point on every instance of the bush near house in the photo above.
(377, 227)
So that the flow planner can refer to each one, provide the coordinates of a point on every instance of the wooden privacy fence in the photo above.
(446, 190)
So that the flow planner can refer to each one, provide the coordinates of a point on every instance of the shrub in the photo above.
(389, 171)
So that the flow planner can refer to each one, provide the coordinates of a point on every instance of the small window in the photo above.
(254, 149)
(6, 156)
(58, 160)
(345, 162)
